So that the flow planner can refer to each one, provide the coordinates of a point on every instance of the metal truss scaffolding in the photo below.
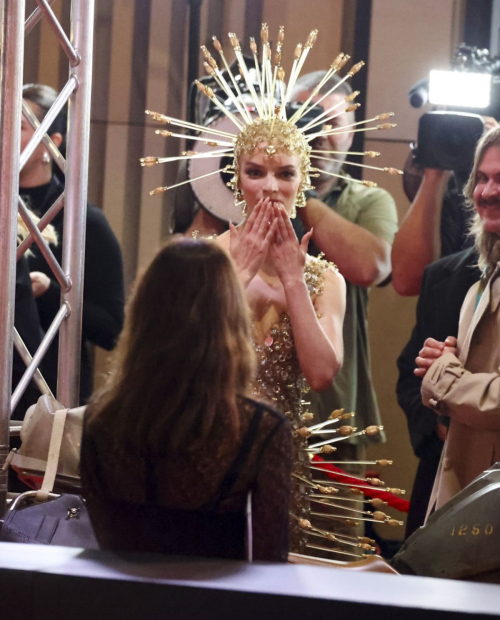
(76, 92)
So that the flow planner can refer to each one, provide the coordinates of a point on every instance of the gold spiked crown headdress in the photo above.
(264, 123)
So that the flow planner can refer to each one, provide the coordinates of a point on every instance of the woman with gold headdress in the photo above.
(297, 301)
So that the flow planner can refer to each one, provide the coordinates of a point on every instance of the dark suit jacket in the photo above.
(444, 286)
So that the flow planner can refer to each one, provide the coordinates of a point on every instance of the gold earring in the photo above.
(239, 201)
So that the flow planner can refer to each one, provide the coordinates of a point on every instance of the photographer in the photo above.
(436, 225)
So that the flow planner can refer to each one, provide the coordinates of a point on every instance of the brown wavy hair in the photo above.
(487, 243)
(185, 354)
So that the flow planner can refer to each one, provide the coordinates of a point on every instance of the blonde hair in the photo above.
(487, 243)
(48, 233)
(185, 354)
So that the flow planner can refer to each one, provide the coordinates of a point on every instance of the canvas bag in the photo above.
(51, 519)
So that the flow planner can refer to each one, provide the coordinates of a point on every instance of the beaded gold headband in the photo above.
(266, 125)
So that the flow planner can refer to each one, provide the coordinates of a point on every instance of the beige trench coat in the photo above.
(467, 389)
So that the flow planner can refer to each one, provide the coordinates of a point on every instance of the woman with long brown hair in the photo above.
(172, 446)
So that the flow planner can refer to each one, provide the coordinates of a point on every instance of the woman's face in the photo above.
(277, 177)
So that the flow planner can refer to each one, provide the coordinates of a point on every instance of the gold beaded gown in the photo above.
(281, 382)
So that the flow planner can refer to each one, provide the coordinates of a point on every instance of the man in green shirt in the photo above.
(354, 226)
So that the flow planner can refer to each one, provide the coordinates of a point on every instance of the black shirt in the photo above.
(103, 295)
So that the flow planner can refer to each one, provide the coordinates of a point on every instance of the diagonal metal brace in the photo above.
(33, 19)
(25, 355)
(47, 253)
(55, 153)
(43, 223)
(64, 312)
(44, 126)
(72, 54)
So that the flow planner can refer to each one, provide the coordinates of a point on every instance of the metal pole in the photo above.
(38, 357)
(11, 62)
(75, 210)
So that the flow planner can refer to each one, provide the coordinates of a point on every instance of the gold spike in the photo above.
(347, 431)
(336, 414)
(352, 96)
(158, 190)
(253, 46)
(342, 62)
(327, 490)
(327, 449)
(217, 44)
(384, 116)
(393, 171)
(369, 184)
(149, 161)
(156, 116)
(356, 68)
(376, 502)
(209, 69)
(234, 41)
(186, 125)
(281, 34)
(387, 126)
(264, 33)
(335, 64)
(396, 491)
(304, 432)
(298, 51)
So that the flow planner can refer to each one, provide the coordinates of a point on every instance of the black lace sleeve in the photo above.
(271, 497)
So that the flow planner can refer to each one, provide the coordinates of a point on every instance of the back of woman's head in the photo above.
(185, 353)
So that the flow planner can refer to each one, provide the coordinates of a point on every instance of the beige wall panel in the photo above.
(116, 171)
(408, 39)
(299, 18)
(165, 83)
(121, 55)
(121, 32)
(234, 21)
(49, 51)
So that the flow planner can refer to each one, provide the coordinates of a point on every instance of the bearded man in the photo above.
(461, 377)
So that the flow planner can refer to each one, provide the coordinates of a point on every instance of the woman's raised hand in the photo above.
(288, 255)
(249, 246)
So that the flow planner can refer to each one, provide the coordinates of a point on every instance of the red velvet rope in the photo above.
(394, 501)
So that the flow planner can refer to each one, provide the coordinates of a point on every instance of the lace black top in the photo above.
(194, 504)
